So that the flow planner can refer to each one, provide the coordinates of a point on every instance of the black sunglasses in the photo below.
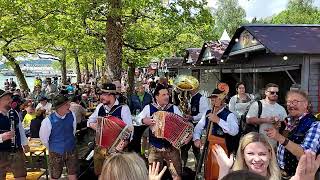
(273, 92)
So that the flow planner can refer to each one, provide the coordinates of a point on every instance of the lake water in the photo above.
(30, 81)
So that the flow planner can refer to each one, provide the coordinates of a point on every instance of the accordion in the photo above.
(111, 131)
(172, 128)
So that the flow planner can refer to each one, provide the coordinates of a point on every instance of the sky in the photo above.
(261, 8)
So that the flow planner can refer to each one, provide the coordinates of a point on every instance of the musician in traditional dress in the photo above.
(11, 153)
(160, 149)
(223, 126)
(199, 107)
(109, 106)
(224, 121)
(57, 133)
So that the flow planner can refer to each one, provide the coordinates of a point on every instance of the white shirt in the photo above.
(268, 110)
(203, 108)
(23, 138)
(146, 113)
(230, 126)
(125, 114)
(47, 107)
(45, 129)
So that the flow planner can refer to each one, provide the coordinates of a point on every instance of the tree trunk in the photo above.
(94, 67)
(86, 69)
(76, 60)
(63, 64)
(114, 41)
(131, 73)
(17, 70)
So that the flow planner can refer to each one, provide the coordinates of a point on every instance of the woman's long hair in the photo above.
(239, 164)
(127, 166)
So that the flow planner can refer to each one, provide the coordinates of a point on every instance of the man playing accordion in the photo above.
(161, 149)
(109, 106)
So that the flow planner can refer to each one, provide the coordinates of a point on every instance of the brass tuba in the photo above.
(185, 83)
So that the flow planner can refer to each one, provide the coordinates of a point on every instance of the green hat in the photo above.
(59, 100)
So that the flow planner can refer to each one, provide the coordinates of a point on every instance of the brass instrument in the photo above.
(185, 83)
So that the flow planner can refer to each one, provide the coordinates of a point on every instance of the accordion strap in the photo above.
(162, 108)
(113, 109)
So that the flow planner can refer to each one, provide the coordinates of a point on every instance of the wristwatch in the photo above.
(286, 141)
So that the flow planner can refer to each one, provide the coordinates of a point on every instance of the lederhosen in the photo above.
(161, 148)
(297, 135)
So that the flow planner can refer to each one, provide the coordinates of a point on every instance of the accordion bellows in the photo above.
(171, 127)
(110, 131)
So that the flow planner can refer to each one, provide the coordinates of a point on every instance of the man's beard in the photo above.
(273, 99)
(107, 103)
(8, 107)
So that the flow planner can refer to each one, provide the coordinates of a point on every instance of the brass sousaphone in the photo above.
(185, 83)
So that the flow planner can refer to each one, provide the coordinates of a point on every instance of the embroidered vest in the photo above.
(115, 111)
(195, 102)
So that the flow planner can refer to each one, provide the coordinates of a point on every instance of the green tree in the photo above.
(298, 12)
(18, 22)
(142, 25)
(229, 15)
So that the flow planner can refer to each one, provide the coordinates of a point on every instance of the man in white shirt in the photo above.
(271, 111)
(109, 106)
(11, 153)
(224, 122)
(57, 133)
(199, 106)
(161, 149)
(44, 104)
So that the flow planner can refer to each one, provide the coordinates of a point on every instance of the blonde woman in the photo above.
(255, 154)
(129, 166)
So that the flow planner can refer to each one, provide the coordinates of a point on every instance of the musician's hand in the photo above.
(154, 171)
(307, 167)
(93, 125)
(225, 162)
(213, 117)
(26, 149)
(148, 121)
(274, 134)
(7, 135)
(197, 143)
(188, 139)
(189, 117)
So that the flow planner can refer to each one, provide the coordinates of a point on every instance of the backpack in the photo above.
(244, 126)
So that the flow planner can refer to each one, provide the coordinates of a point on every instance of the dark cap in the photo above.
(43, 98)
(108, 88)
(59, 101)
(216, 92)
(4, 93)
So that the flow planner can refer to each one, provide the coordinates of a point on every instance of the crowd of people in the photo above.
(260, 136)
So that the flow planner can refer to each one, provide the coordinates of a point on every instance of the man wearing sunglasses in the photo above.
(109, 106)
(271, 111)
